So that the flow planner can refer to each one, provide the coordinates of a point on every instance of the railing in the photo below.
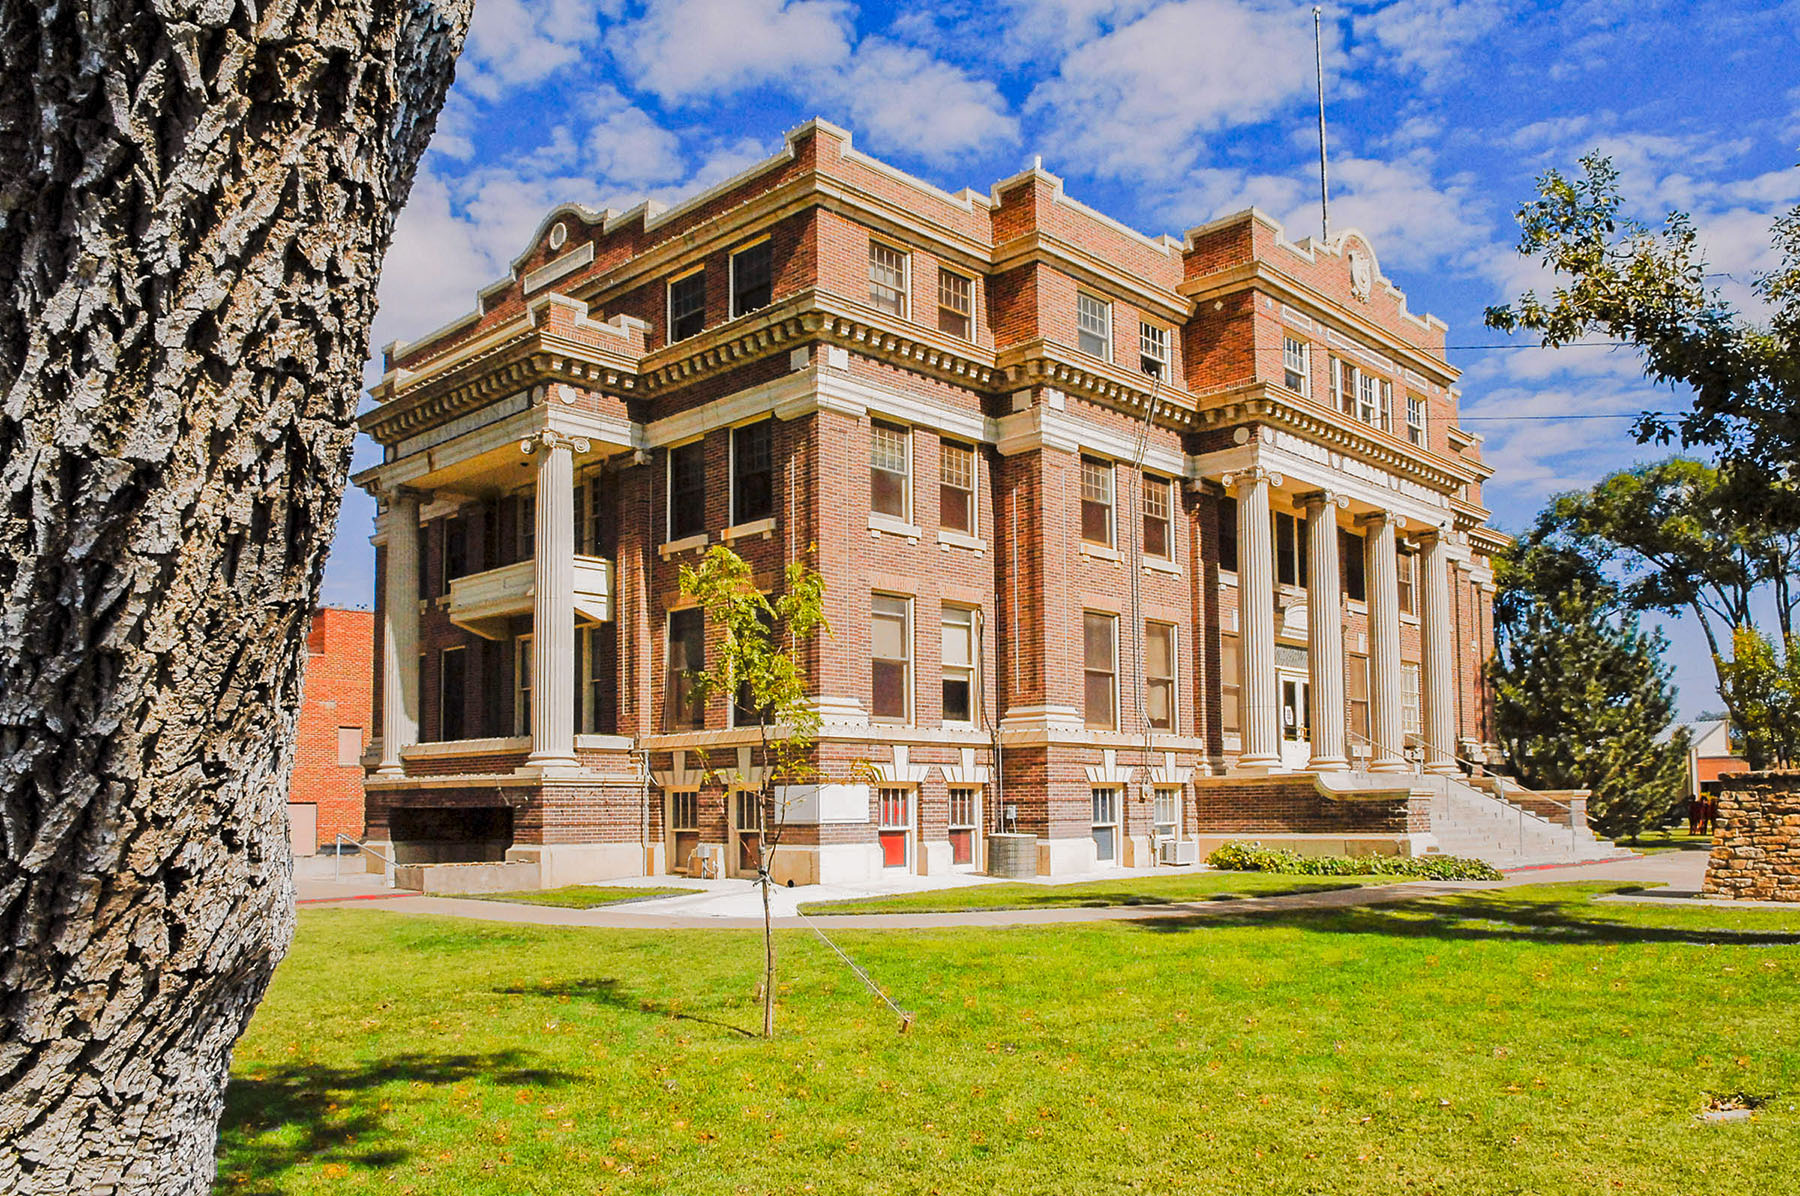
(1412, 756)
(337, 867)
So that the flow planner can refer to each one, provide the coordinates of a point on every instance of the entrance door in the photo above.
(747, 823)
(1296, 722)
(894, 828)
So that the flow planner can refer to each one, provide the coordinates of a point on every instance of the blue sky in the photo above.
(1164, 114)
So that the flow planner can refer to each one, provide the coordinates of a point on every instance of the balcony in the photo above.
(486, 602)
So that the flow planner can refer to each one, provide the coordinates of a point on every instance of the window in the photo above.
(1290, 550)
(1384, 415)
(956, 304)
(1353, 566)
(890, 467)
(752, 278)
(525, 524)
(956, 486)
(1296, 369)
(1167, 811)
(1153, 349)
(743, 708)
(1228, 535)
(887, 278)
(1093, 326)
(890, 651)
(424, 551)
(1415, 419)
(1368, 398)
(1100, 654)
(965, 815)
(1230, 662)
(1097, 501)
(687, 490)
(1407, 573)
(456, 550)
(752, 472)
(687, 305)
(1356, 692)
(522, 685)
(1106, 824)
(959, 665)
(452, 693)
(591, 688)
(1159, 675)
(350, 746)
(1343, 386)
(682, 709)
(894, 826)
(590, 518)
(1409, 699)
(684, 810)
(1159, 517)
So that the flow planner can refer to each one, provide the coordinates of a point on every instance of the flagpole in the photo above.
(1324, 180)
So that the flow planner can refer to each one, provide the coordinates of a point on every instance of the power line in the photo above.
(1570, 345)
(1467, 419)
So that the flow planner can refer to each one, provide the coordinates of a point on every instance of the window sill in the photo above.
(685, 544)
(1406, 618)
(1099, 551)
(893, 527)
(955, 539)
(1160, 565)
(1228, 578)
(743, 531)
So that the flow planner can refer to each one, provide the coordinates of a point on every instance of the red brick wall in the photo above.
(337, 691)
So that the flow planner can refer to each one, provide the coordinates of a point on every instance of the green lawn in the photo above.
(582, 896)
(1670, 840)
(1508, 1041)
(1159, 890)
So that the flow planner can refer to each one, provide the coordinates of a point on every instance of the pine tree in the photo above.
(1582, 701)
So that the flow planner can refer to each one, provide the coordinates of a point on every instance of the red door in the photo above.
(895, 826)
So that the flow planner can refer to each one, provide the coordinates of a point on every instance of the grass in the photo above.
(1509, 1041)
(1652, 842)
(581, 896)
(1160, 890)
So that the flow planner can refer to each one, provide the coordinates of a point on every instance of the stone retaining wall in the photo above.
(1756, 849)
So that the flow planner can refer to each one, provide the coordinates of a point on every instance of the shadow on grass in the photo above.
(1484, 916)
(279, 1117)
(604, 990)
(1051, 899)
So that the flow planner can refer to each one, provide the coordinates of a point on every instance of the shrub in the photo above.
(1254, 857)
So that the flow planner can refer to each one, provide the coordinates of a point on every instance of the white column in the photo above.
(399, 632)
(1256, 623)
(1437, 676)
(553, 607)
(1382, 574)
(1325, 631)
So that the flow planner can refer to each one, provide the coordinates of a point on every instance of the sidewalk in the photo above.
(736, 904)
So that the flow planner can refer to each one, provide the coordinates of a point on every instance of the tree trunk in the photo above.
(195, 198)
(767, 877)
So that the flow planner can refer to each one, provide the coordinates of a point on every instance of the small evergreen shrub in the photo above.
(1254, 857)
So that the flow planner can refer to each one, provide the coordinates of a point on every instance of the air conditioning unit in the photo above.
(1178, 851)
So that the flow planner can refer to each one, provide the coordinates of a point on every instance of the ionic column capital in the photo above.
(1250, 476)
(1323, 498)
(550, 438)
(1378, 519)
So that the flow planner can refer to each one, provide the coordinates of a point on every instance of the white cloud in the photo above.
(683, 50)
(1429, 37)
(513, 43)
(904, 98)
(625, 146)
(1138, 100)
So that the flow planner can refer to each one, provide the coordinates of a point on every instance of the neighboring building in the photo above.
(325, 797)
(1712, 752)
(1038, 456)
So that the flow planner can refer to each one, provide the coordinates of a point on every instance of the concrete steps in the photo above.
(1468, 821)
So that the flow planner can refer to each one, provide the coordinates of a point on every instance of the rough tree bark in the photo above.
(195, 198)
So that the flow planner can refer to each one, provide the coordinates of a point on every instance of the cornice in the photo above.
(1267, 405)
(1044, 362)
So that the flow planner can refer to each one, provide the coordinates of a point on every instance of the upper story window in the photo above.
(1368, 397)
(956, 487)
(1093, 326)
(890, 654)
(1296, 365)
(1352, 566)
(687, 305)
(890, 470)
(956, 304)
(959, 665)
(752, 277)
(687, 656)
(1343, 385)
(1097, 501)
(1153, 349)
(525, 524)
(1407, 573)
(1159, 676)
(1290, 550)
(1159, 517)
(887, 278)
(753, 472)
(456, 550)
(1100, 670)
(687, 490)
(1228, 535)
(1415, 419)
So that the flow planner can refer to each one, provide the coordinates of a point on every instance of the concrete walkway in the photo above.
(736, 905)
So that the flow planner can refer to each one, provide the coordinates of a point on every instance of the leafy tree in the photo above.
(195, 200)
(1582, 698)
(1764, 693)
(1649, 288)
(757, 665)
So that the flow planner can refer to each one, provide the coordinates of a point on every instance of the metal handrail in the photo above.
(337, 866)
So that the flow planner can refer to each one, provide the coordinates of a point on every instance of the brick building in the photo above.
(1038, 456)
(325, 796)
